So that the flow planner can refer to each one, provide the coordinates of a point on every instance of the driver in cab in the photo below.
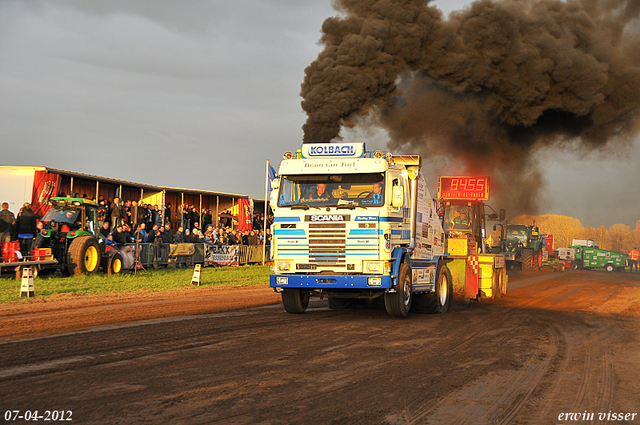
(319, 192)
(376, 195)
(461, 221)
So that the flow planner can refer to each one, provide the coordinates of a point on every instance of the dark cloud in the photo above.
(486, 87)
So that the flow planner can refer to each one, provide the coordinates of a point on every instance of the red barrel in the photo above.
(9, 252)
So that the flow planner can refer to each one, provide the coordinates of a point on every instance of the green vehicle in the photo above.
(71, 231)
(592, 257)
(521, 246)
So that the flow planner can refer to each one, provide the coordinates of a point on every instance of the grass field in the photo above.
(153, 280)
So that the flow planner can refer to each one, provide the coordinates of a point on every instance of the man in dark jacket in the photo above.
(167, 237)
(10, 219)
(25, 229)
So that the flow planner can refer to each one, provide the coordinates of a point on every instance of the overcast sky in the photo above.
(198, 94)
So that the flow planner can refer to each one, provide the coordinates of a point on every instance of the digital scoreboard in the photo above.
(463, 188)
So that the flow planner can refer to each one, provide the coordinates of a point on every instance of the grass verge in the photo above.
(153, 280)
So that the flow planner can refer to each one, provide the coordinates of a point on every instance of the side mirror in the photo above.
(398, 197)
(503, 215)
(495, 227)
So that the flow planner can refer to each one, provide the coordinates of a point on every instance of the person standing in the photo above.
(10, 219)
(115, 213)
(25, 229)
(167, 214)
(634, 255)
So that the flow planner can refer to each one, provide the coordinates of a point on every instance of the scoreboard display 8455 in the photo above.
(463, 188)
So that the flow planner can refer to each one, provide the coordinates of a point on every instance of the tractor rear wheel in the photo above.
(83, 256)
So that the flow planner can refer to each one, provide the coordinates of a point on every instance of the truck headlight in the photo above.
(373, 266)
(283, 266)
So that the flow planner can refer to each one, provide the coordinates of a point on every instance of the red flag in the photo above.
(245, 215)
(45, 187)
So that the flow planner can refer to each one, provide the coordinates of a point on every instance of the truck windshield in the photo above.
(348, 190)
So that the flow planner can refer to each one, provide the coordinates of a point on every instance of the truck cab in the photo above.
(351, 224)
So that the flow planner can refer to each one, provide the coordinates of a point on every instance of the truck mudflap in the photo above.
(330, 281)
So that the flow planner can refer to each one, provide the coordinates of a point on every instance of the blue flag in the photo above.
(272, 175)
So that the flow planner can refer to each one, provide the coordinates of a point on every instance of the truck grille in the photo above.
(327, 244)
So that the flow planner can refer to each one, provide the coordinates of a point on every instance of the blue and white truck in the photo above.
(351, 224)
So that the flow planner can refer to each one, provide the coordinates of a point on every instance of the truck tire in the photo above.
(398, 303)
(610, 268)
(440, 298)
(295, 301)
(527, 259)
(83, 256)
(341, 303)
(575, 265)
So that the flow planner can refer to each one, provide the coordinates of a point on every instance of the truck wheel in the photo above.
(527, 259)
(295, 301)
(341, 303)
(83, 256)
(441, 296)
(399, 303)
(610, 268)
(575, 265)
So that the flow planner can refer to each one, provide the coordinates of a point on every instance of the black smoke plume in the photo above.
(480, 91)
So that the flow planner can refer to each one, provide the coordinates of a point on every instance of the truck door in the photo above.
(399, 215)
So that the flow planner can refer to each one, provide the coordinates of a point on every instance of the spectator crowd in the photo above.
(130, 221)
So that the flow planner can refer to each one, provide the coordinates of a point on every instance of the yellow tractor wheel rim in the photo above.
(91, 259)
(117, 265)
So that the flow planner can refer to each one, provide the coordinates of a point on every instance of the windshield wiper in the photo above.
(300, 207)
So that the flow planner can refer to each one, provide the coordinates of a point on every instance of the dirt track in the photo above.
(558, 343)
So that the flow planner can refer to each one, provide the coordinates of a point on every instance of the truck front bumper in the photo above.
(330, 281)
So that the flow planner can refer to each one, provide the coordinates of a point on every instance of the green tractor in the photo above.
(71, 231)
(521, 246)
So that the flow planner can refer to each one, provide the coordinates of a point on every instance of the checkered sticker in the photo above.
(474, 264)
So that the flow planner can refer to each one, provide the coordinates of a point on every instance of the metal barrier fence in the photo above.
(151, 255)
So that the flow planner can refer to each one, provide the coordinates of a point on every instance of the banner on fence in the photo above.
(182, 249)
(225, 255)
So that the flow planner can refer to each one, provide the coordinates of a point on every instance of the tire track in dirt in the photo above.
(108, 347)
